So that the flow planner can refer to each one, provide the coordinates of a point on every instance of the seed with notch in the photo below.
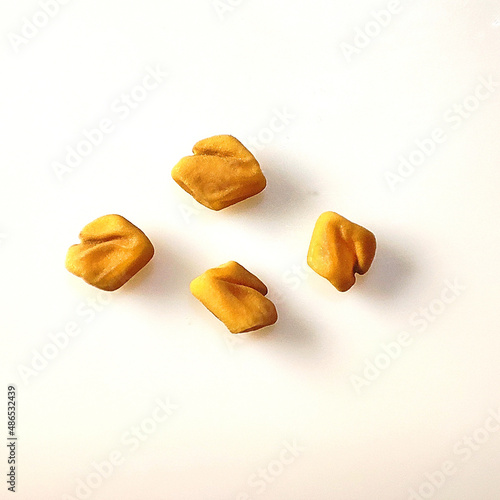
(236, 297)
(339, 249)
(110, 252)
(221, 172)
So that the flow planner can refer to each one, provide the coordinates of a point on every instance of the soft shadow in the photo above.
(166, 273)
(391, 273)
(293, 339)
(282, 196)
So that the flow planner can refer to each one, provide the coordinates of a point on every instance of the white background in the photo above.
(240, 399)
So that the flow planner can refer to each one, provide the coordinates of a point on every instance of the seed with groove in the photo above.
(339, 249)
(236, 297)
(111, 251)
(221, 172)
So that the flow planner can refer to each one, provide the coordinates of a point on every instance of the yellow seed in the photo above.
(236, 297)
(112, 250)
(339, 249)
(222, 172)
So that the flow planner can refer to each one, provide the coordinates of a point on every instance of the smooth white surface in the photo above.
(241, 398)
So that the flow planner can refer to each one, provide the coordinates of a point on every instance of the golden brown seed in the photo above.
(112, 250)
(236, 297)
(339, 249)
(222, 172)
